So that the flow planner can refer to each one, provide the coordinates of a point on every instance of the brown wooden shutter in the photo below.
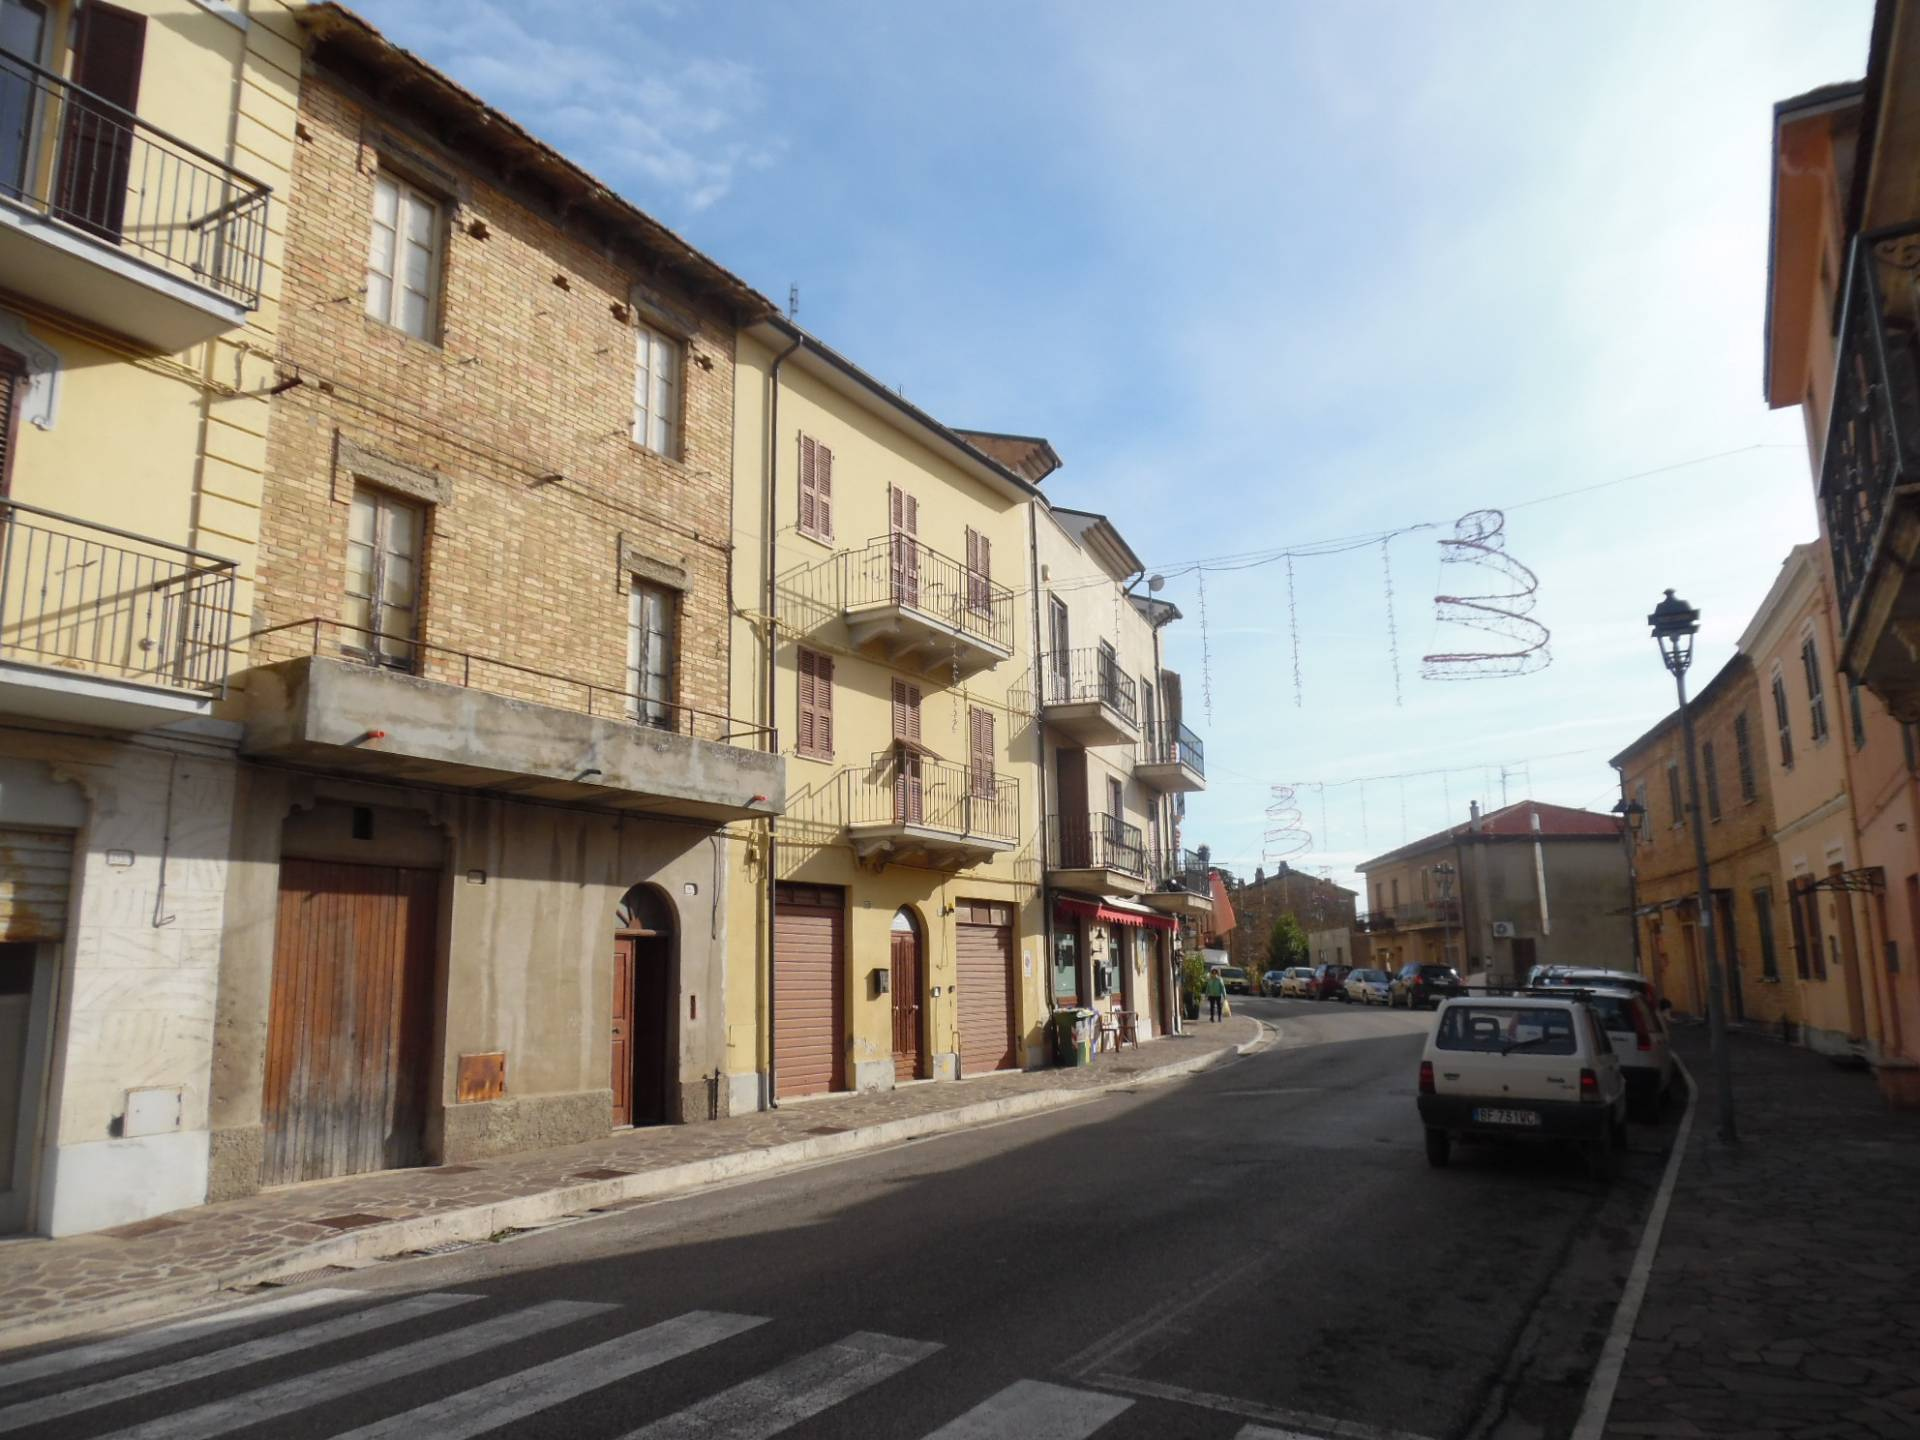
(803, 727)
(816, 705)
(980, 726)
(809, 508)
(823, 489)
(10, 393)
(913, 516)
(906, 711)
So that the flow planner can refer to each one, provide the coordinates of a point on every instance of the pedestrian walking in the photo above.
(1216, 993)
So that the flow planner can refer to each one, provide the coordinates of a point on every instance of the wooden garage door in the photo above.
(350, 1032)
(983, 952)
(810, 993)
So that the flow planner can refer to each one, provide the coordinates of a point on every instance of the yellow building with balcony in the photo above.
(887, 928)
(144, 150)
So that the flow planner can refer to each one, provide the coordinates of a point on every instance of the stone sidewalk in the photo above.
(1784, 1300)
(53, 1288)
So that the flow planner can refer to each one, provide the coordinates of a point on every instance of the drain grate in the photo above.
(445, 1247)
(601, 1172)
(301, 1277)
(353, 1221)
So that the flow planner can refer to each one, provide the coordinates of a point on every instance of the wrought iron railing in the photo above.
(1074, 677)
(1181, 747)
(903, 787)
(900, 570)
(1181, 871)
(1097, 841)
(1413, 912)
(316, 636)
(87, 162)
(1873, 433)
(80, 596)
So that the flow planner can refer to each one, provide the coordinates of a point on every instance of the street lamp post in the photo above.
(1633, 815)
(1674, 624)
(1443, 876)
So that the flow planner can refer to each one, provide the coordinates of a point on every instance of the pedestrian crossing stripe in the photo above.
(216, 1362)
(1031, 1407)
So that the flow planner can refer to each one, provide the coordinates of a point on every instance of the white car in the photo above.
(1297, 980)
(1523, 1067)
(1370, 987)
(1640, 1040)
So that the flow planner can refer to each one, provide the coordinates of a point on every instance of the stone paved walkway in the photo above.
(1785, 1298)
(192, 1253)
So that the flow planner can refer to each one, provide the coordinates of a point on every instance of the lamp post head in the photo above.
(1634, 813)
(1674, 624)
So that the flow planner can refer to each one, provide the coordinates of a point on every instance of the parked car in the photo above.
(1640, 1039)
(1329, 982)
(1419, 985)
(1298, 980)
(1606, 979)
(1235, 979)
(1541, 976)
(1369, 987)
(1271, 981)
(1523, 1067)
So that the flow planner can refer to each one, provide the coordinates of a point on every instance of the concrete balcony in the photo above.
(1085, 696)
(911, 809)
(1173, 764)
(1181, 885)
(1870, 469)
(1414, 915)
(476, 723)
(1099, 854)
(917, 609)
(105, 628)
(114, 221)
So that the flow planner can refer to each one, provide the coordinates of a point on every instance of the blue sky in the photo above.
(1268, 274)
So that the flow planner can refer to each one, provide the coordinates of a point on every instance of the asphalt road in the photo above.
(1263, 1245)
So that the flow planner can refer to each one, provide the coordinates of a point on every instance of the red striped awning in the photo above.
(1063, 908)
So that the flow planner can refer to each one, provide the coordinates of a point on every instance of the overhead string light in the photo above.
(1393, 630)
(1502, 608)
(1286, 836)
(1206, 650)
(1293, 628)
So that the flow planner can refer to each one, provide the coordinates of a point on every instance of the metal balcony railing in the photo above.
(1873, 434)
(1413, 912)
(331, 639)
(1074, 677)
(1181, 870)
(902, 787)
(1095, 842)
(86, 162)
(1181, 747)
(900, 570)
(75, 595)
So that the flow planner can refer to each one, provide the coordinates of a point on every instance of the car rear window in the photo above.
(1437, 972)
(1615, 1011)
(1498, 1029)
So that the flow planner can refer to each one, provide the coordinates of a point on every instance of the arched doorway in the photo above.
(645, 944)
(909, 966)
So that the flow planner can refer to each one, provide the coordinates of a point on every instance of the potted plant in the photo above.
(1193, 979)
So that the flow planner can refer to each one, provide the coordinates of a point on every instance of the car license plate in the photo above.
(1485, 1116)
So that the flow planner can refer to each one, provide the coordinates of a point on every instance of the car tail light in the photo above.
(1589, 1085)
(1642, 1040)
(1426, 1077)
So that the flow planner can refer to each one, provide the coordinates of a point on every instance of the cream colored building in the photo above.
(895, 933)
(1117, 760)
(144, 153)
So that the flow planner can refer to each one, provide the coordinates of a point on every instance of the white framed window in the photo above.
(385, 535)
(656, 392)
(403, 257)
(650, 654)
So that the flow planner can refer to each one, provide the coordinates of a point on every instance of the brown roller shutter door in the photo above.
(983, 952)
(811, 992)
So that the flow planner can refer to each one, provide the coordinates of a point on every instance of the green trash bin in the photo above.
(1072, 1038)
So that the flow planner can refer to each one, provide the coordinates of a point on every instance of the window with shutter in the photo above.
(903, 524)
(1816, 689)
(385, 540)
(816, 489)
(979, 572)
(816, 706)
(13, 384)
(906, 711)
(1743, 748)
(980, 727)
(1782, 718)
(1673, 795)
(1713, 780)
(651, 654)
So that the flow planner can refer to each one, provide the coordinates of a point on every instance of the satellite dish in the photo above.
(1156, 583)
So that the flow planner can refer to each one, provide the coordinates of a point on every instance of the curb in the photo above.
(1613, 1354)
(478, 1222)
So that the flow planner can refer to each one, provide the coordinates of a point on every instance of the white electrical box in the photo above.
(154, 1111)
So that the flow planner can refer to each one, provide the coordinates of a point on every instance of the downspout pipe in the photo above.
(769, 513)
(1040, 735)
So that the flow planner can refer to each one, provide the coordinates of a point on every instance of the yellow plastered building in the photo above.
(143, 174)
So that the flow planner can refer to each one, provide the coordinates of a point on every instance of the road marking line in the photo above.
(105, 1352)
(770, 1403)
(1033, 1408)
(1320, 1427)
(1267, 1432)
(1613, 1354)
(304, 1391)
(514, 1397)
(165, 1377)
(1111, 1350)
